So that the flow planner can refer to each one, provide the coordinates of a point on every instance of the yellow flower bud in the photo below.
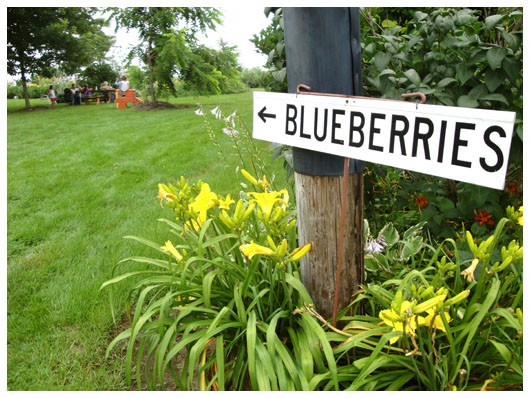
(283, 248)
(428, 304)
(169, 248)
(507, 261)
(271, 243)
(300, 252)
(226, 220)
(427, 292)
(239, 208)
(471, 243)
(249, 177)
(458, 298)
(249, 210)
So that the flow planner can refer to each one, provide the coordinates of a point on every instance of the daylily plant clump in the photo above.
(261, 219)
(450, 316)
(224, 282)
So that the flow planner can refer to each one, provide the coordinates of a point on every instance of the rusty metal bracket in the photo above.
(306, 90)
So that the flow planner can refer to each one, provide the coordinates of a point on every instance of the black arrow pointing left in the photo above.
(264, 115)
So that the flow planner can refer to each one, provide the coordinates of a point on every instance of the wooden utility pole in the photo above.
(323, 52)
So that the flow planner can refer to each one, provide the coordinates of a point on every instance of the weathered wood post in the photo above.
(323, 51)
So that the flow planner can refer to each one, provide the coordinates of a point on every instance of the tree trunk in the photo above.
(25, 92)
(151, 73)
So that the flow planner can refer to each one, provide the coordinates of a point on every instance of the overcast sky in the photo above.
(239, 24)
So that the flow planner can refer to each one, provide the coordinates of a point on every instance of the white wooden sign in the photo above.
(464, 144)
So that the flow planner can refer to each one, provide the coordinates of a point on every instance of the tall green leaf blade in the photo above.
(474, 325)
(207, 286)
(299, 287)
(220, 360)
(251, 349)
(303, 356)
(266, 369)
(145, 241)
(314, 327)
(121, 277)
(161, 351)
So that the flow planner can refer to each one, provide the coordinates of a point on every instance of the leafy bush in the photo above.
(209, 71)
(459, 58)
(14, 91)
(254, 78)
(446, 205)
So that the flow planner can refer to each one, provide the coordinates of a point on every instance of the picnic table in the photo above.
(98, 95)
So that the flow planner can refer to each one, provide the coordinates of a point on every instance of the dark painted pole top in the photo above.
(323, 50)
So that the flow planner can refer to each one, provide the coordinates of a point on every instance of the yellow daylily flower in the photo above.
(163, 193)
(226, 202)
(434, 319)
(403, 318)
(264, 183)
(469, 272)
(205, 200)
(251, 249)
(266, 200)
(520, 219)
(169, 248)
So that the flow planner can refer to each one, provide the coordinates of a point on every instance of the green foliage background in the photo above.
(457, 57)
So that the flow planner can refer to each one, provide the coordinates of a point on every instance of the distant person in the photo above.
(52, 96)
(116, 87)
(85, 91)
(76, 100)
(124, 85)
(107, 89)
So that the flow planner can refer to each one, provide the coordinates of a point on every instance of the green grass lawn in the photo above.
(79, 179)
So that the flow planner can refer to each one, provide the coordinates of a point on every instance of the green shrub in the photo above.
(457, 57)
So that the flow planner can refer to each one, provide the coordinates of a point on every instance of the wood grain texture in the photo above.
(318, 202)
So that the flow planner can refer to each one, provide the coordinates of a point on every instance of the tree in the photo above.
(209, 71)
(270, 41)
(39, 40)
(166, 34)
(97, 73)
